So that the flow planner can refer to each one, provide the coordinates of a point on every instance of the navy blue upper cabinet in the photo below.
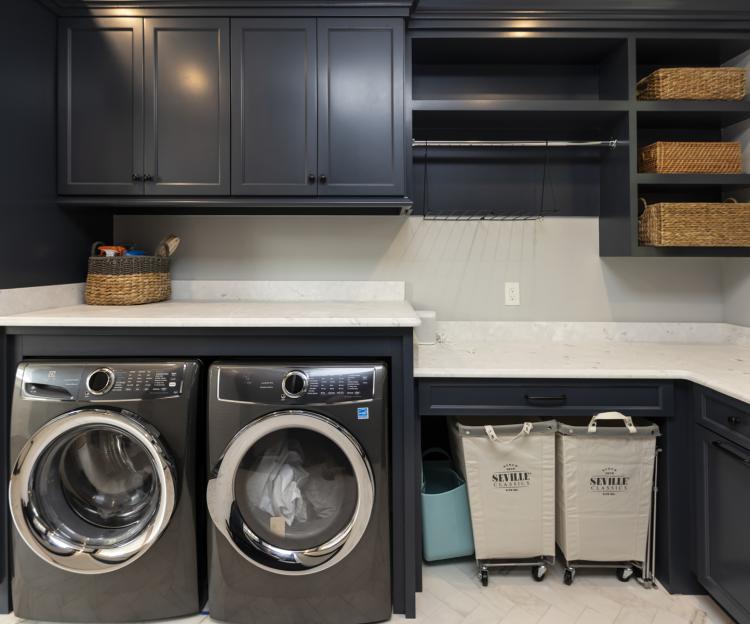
(187, 140)
(100, 77)
(126, 131)
(318, 107)
(361, 107)
(274, 107)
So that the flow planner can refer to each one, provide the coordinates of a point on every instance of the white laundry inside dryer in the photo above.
(285, 486)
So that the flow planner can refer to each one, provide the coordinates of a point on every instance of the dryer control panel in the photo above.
(102, 381)
(298, 385)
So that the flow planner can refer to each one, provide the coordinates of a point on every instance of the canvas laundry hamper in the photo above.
(509, 468)
(605, 476)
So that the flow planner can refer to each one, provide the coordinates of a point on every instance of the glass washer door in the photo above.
(92, 490)
(293, 492)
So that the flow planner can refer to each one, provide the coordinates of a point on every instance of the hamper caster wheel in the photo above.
(484, 575)
(538, 573)
(624, 574)
(569, 576)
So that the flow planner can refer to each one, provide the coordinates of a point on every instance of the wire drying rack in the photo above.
(503, 215)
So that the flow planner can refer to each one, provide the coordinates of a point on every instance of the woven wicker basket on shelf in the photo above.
(686, 157)
(695, 224)
(128, 280)
(694, 83)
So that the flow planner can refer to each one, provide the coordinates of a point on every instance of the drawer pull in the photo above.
(547, 401)
(734, 421)
(730, 451)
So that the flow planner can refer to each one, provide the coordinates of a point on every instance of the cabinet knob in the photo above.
(311, 178)
(734, 421)
(148, 177)
(136, 178)
(323, 179)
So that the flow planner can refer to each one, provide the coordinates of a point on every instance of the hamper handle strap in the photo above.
(436, 450)
(626, 420)
(525, 430)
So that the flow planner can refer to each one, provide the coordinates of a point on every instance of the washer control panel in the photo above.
(297, 385)
(102, 382)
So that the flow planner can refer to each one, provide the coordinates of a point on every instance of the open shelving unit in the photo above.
(490, 87)
(565, 86)
(688, 121)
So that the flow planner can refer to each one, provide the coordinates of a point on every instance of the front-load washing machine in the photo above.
(299, 493)
(103, 490)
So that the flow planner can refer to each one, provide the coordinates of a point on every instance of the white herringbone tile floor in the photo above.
(453, 595)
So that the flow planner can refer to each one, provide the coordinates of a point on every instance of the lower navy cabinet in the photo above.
(723, 521)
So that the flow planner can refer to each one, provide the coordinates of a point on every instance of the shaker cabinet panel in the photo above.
(723, 518)
(274, 107)
(100, 90)
(187, 138)
(361, 117)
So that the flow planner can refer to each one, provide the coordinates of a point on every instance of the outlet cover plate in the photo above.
(512, 294)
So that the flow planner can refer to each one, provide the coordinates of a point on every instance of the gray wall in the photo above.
(40, 244)
(456, 268)
(737, 291)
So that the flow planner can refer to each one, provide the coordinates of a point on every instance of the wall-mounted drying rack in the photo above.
(612, 143)
(506, 214)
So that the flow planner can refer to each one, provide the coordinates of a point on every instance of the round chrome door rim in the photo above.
(77, 558)
(220, 493)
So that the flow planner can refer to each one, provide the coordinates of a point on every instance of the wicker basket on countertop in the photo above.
(698, 224)
(690, 157)
(128, 280)
(694, 83)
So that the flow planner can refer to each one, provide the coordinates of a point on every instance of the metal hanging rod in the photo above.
(612, 143)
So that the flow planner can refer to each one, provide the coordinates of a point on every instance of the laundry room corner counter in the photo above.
(366, 321)
(692, 379)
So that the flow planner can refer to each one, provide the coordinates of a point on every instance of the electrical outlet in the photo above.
(512, 294)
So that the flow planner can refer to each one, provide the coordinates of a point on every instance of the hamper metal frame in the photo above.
(647, 567)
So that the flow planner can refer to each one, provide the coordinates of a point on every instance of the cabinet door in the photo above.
(274, 107)
(100, 90)
(361, 141)
(187, 106)
(723, 521)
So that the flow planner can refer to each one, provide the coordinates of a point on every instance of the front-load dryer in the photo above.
(103, 490)
(299, 493)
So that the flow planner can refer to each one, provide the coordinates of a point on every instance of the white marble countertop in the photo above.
(224, 314)
(723, 366)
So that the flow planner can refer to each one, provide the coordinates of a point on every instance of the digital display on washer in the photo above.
(143, 382)
(295, 385)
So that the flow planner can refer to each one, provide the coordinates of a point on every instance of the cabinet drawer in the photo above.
(472, 397)
(724, 415)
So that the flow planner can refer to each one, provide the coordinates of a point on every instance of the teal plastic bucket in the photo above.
(446, 518)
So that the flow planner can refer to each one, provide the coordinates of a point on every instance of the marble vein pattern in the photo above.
(224, 314)
(220, 290)
(723, 366)
(19, 300)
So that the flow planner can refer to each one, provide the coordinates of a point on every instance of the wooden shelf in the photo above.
(689, 179)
